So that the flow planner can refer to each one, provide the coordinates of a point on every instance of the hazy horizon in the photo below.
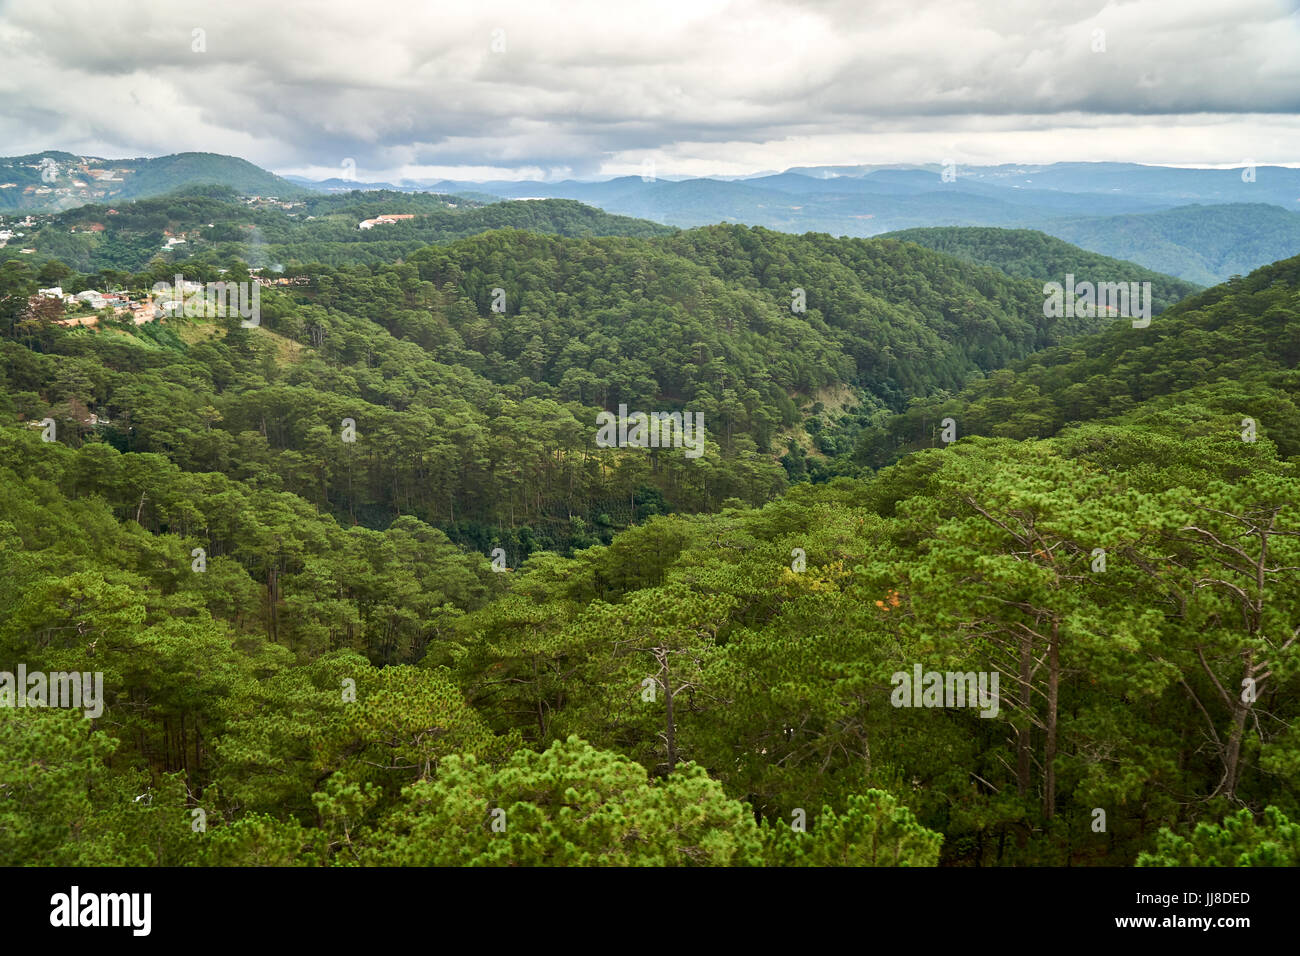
(363, 177)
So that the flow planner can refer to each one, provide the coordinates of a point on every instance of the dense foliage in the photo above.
(481, 421)
(309, 658)
(1202, 244)
(1230, 350)
(1028, 254)
(220, 228)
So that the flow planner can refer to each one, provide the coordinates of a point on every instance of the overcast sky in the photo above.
(533, 89)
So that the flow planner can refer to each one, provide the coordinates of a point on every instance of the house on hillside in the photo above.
(383, 220)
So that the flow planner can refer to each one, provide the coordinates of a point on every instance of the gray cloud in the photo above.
(700, 87)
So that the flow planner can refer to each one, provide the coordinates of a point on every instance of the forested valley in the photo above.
(365, 589)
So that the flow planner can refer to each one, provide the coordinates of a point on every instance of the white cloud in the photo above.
(701, 87)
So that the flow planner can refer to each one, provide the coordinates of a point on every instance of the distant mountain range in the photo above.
(1072, 188)
(1201, 225)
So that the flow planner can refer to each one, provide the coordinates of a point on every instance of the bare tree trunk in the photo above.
(541, 713)
(272, 597)
(1049, 749)
(1024, 751)
(1232, 755)
(670, 730)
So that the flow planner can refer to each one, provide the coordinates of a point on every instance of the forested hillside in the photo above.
(417, 356)
(1202, 244)
(55, 180)
(1231, 350)
(1028, 254)
(1222, 222)
(217, 226)
(313, 642)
